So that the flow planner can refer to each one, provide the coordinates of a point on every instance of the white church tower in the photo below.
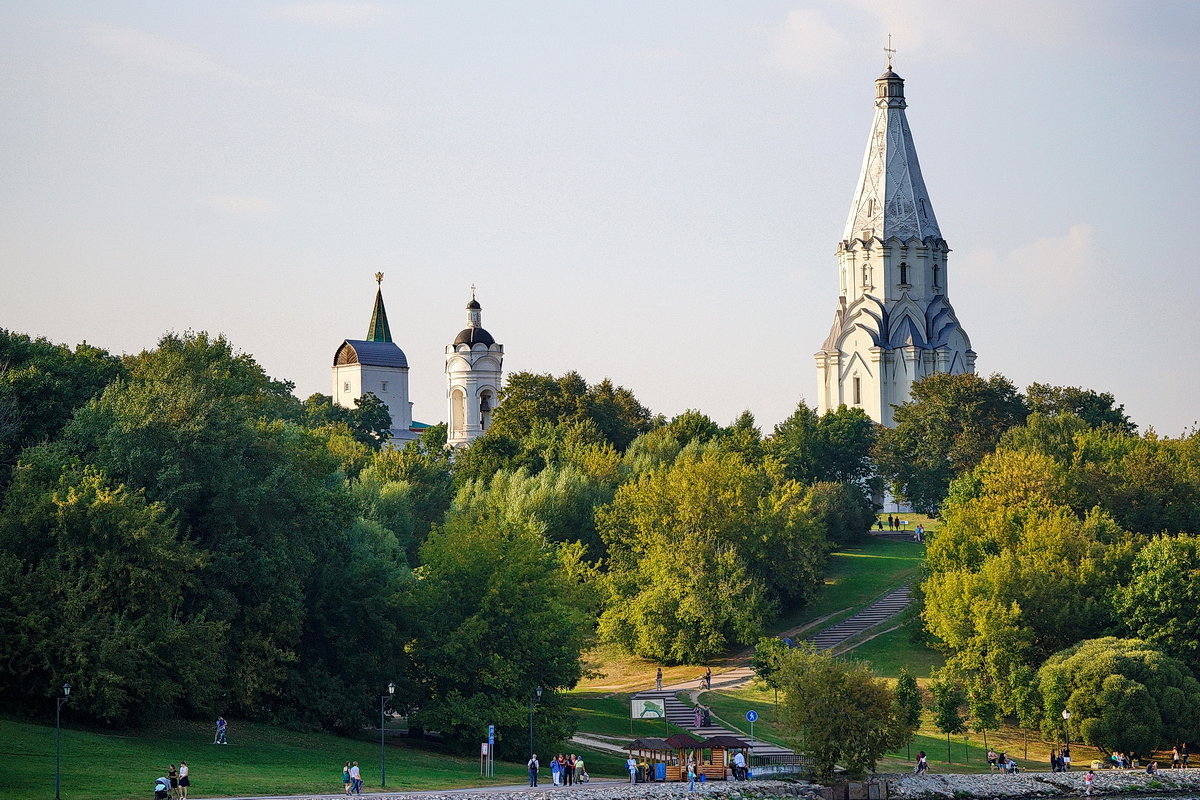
(376, 365)
(894, 323)
(473, 373)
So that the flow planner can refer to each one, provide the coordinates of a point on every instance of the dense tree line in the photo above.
(1063, 577)
(180, 535)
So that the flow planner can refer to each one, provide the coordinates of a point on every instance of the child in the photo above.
(1089, 781)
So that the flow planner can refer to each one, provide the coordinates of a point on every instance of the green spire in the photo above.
(379, 330)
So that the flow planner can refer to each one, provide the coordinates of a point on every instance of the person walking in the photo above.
(222, 728)
(355, 778)
(631, 765)
(534, 766)
(173, 777)
(922, 763)
(555, 770)
(708, 677)
(658, 680)
(346, 778)
(184, 780)
(691, 773)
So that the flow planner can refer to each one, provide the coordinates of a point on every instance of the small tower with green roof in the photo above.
(375, 365)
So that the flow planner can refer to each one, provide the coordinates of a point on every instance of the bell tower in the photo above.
(894, 323)
(473, 375)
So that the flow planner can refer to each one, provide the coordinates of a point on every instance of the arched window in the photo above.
(903, 273)
(866, 274)
(857, 391)
(457, 411)
(935, 276)
(485, 409)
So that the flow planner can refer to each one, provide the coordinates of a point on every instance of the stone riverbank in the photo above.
(987, 786)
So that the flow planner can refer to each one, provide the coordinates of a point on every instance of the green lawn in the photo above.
(259, 760)
(889, 652)
(608, 715)
(857, 575)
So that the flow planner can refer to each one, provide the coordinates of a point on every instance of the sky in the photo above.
(651, 192)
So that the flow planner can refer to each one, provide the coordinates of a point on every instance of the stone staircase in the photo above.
(881, 610)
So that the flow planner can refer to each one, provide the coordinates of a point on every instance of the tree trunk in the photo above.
(949, 755)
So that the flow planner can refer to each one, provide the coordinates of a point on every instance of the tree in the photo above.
(498, 611)
(833, 447)
(748, 547)
(1158, 604)
(838, 712)
(1123, 694)
(97, 576)
(528, 398)
(908, 697)
(947, 428)
(767, 660)
(41, 385)
(1095, 408)
(369, 421)
(949, 697)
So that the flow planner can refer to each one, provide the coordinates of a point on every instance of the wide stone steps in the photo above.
(881, 610)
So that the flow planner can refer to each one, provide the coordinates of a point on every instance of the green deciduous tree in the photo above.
(838, 712)
(1123, 694)
(947, 428)
(498, 612)
(702, 552)
(767, 661)
(949, 699)
(369, 421)
(1095, 408)
(834, 447)
(1159, 602)
(908, 697)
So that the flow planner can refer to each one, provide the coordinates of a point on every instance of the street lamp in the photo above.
(1066, 715)
(58, 704)
(383, 699)
(532, 700)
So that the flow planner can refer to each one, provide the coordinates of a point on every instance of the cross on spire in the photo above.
(472, 291)
(379, 278)
(890, 52)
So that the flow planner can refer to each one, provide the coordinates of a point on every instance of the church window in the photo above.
(857, 391)
(871, 207)
(935, 276)
(903, 273)
(866, 274)
(346, 387)
(383, 386)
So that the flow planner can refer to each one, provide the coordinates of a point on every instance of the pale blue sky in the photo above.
(651, 192)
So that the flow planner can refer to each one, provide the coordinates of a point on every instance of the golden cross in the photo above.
(379, 278)
(890, 52)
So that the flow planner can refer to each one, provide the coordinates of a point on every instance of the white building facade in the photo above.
(376, 365)
(474, 364)
(894, 323)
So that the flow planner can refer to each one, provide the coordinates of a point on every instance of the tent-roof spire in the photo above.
(379, 330)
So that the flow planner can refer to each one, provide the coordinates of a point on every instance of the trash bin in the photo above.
(660, 772)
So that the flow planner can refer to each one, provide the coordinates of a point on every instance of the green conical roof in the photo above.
(379, 330)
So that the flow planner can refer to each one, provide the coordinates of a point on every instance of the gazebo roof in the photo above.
(683, 741)
(651, 743)
(725, 742)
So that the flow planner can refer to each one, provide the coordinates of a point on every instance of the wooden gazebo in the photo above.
(653, 751)
(720, 747)
(682, 744)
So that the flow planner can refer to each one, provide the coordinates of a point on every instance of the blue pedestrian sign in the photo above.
(751, 716)
(492, 735)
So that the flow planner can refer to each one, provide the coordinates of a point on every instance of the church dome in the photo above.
(474, 336)
(473, 304)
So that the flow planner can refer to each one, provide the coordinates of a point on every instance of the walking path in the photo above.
(880, 611)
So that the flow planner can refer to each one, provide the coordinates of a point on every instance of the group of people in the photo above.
(1179, 756)
(351, 778)
(1001, 761)
(564, 770)
(222, 731)
(701, 716)
(1060, 761)
(174, 785)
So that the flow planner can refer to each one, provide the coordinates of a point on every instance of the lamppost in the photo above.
(1066, 715)
(58, 704)
(537, 696)
(383, 700)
